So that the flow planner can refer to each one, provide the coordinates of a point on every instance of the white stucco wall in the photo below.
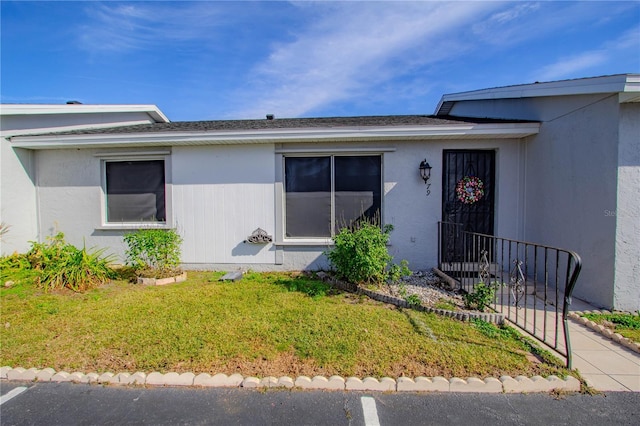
(220, 194)
(627, 213)
(17, 198)
(19, 169)
(571, 176)
(571, 181)
(537, 109)
(415, 215)
(69, 197)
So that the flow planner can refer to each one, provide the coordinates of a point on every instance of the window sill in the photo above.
(306, 242)
(132, 226)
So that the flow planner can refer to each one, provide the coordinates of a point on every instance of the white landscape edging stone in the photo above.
(423, 384)
(163, 281)
(604, 331)
(506, 384)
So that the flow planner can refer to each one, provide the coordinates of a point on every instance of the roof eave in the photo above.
(469, 131)
(627, 85)
(44, 109)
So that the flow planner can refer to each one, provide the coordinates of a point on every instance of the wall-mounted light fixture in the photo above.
(425, 173)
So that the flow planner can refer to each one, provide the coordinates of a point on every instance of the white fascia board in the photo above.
(501, 130)
(45, 109)
(622, 83)
(41, 130)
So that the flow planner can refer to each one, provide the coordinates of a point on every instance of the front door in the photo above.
(468, 191)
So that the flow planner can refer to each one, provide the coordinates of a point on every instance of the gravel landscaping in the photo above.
(428, 287)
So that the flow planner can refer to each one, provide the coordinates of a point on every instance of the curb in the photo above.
(602, 330)
(506, 384)
(495, 318)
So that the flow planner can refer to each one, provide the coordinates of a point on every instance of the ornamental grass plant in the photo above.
(56, 264)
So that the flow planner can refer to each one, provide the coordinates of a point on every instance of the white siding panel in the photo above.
(223, 193)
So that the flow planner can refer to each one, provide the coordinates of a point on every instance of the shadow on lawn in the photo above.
(312, 287)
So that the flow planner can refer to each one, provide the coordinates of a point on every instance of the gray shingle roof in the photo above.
(288, 123)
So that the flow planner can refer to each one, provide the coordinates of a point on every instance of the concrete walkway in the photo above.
(604, 364)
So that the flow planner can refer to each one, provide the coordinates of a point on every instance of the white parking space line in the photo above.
(370, 411)
(12, 393)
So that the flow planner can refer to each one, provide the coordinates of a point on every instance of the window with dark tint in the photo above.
(312, 210)
(358, 193)
(308, 196)
(135, 191)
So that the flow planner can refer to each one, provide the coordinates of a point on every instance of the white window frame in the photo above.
(164, 156)
(281, 238)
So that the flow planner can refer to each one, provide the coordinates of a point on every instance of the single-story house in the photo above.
(559, 163)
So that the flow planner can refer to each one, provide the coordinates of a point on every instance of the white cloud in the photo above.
(350, 48)
(130, 27)
(327, 52)
(571, 65)
(516, 12)
(579, 64)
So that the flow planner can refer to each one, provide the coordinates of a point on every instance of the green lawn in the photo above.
(265, 324)
(625, 324)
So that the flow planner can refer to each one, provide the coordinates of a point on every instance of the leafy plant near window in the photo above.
(154, 252)
(56, 264)
(481, 296)
(360, 254)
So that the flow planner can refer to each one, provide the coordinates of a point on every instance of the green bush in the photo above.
(481, 296)
(153, 252)
(58, 264)
(16, 268)
(360, 254)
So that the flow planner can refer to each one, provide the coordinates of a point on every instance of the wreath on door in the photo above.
(470, 189)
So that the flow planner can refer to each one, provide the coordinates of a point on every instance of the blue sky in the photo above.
(234, 60)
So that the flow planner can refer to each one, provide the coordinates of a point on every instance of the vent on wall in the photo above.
(445, 108)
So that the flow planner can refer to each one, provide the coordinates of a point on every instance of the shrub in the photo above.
(15, 268)
(360, 254)
(481, 296)
(153, 252)
(59, 264)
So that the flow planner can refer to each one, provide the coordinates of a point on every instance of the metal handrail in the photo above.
(468, 253)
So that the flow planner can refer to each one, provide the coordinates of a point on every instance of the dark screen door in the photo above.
(462, 172)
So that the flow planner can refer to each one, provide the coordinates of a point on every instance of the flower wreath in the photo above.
(469, 189)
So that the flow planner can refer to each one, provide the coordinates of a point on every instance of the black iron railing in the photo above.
(534, 282)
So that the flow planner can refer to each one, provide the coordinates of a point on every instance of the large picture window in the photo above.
(326, 193)
(135, 191)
